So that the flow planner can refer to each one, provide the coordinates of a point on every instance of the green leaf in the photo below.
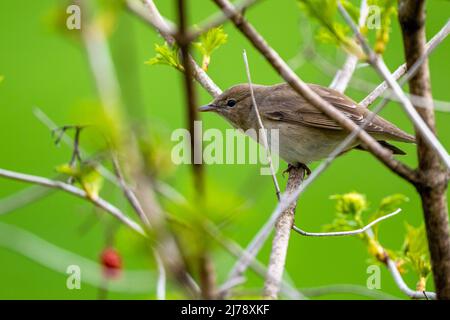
(351, 203)
(415, 250)
(2, 78)
(209, 42)
(86, 175)
(331, 30)
(389, 10)
(166, 55)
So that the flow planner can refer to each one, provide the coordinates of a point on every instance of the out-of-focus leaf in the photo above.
(331, 29)
(209, 42)
(86, 175)
(166, 55)
(388, 12)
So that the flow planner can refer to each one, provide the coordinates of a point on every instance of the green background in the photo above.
(47, 68)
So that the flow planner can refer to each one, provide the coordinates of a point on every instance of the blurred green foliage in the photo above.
(44, 64)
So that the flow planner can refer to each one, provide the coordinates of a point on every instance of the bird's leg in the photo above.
(298, 166)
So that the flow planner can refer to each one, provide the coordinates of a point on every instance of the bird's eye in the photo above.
(231, 103)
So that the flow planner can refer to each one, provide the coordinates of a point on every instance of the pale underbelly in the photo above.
(302, 144)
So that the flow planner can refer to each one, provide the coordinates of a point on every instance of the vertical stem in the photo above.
(280, 241)
(191, 98)
(432, 186)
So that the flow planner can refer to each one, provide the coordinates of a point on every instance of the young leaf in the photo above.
(86, 175)
(415, 249)
(209, 42)
(388, 11)
(166, 55)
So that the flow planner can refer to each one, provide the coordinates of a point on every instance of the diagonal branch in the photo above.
(99, 202)
(379, 65)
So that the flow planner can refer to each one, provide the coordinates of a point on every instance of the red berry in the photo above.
(111, 262)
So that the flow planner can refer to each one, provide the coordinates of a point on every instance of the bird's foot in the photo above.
(297, 166)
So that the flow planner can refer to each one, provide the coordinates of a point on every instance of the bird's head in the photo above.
(234, 104)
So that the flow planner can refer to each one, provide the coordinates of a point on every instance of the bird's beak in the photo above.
(208, 107)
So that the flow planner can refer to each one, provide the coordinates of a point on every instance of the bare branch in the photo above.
(346, 233)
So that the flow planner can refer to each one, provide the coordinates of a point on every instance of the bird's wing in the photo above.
(284, 104)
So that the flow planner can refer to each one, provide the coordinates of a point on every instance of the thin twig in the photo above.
(345, 233)
(379, 65)
(261, 127)
(392, 267)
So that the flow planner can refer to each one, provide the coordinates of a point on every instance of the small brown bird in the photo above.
(305, 133)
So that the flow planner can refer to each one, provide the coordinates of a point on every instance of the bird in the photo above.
(306, 134)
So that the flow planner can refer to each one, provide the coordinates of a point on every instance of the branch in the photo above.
(234, 248)
(346, 233)
(99, 202)
(379, 65)
(392, 267)
(191, 97)
(434, 183)
(344, 75)
(280, 241)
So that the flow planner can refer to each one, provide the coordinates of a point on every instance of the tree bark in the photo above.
(433, 177)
